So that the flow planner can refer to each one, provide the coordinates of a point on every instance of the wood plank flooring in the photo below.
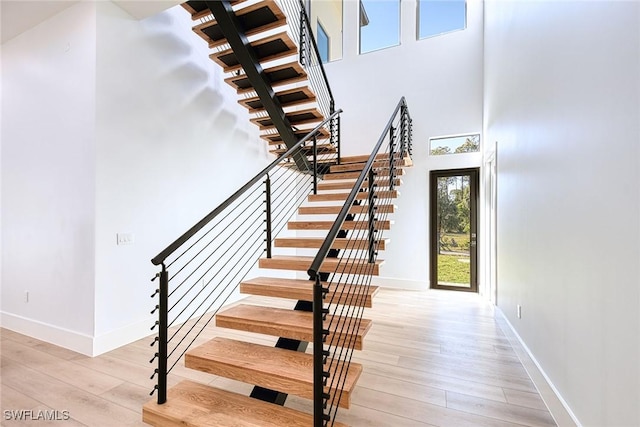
(432, 358)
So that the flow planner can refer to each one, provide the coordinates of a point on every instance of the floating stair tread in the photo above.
(298, 289)
(362, 158)
(256, 18)
(276, 139)
(274, 368)
(270, 48)
(334, 210)
(293, 324)
(330, 265)
(355, 175)
(287, 98)
(378, 164)
(347, 225)
(309, 115)
(308, 150)
(348, 184)
(338, 243)
(199, 9)
(362, 195)
(278, 75)
(198, 405)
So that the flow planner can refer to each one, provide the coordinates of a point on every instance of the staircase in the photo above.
(335, 215)
(283, 370)
(272, 67)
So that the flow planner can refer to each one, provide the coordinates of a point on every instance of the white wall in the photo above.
(563, 103)
(441, 78)
(113, 125)
(48, 182)
(172, 143)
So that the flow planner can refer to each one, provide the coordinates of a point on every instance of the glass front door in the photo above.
(453, 231)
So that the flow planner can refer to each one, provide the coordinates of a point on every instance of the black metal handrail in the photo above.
(159, 259)
(337, 225)
(355, 266)
(210, 259)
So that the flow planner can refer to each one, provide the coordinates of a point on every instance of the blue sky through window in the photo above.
(440, 16)
(383, 29)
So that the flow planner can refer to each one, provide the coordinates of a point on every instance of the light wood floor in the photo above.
(433, 358)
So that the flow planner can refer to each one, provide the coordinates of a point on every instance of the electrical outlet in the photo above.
(125, 238)
(519, 311)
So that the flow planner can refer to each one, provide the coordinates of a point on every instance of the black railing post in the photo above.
(163, 315)
(335, 135)
(267, 191)
(318, 354)
(392, 159)
(303, 41)
(372, 216)
(315, 164)
(403, 129)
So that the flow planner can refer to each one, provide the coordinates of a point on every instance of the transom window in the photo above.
(454, 144)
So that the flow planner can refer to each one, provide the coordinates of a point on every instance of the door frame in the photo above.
(474, 193)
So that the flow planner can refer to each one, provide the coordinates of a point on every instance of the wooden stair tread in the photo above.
(362, 195)
(378, 164)
(274, 368)
(198, 405)
(308, 150)
(256, 18)
(267, 49)
(278, 75)
(293, 324)
(299, 289)
(334, 210)
(330, 265)
(199, 9)
(347, 225)
(276, 139)
(362, 158)
(296, 118)
(348, 184)
(287, 98)
(356, 175)
(316, 242)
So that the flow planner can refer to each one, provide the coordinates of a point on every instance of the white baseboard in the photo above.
(405, 284)
(122, 336)
(72, 340)
(558, 407)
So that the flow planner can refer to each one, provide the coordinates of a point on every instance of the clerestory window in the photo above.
(437, 17)
(379, 24)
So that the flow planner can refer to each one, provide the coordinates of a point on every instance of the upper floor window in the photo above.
(454, 144)
(379, 24)
(327, 16)
(441, 16)
(323, 43)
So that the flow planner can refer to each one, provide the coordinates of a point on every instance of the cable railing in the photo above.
(309, 57)
(338, 318)
(201, 270)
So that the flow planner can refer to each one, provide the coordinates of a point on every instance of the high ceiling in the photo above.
(18, 16)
